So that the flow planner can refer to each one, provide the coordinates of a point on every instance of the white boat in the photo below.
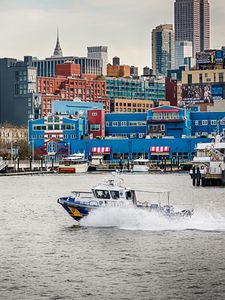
(208, 166)
(75, 163)
(140, 165)
(111, 194)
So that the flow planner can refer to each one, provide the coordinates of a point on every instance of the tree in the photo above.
(24, 149)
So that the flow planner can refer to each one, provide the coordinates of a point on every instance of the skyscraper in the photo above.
(58, 50)
(163, 56)
(192, 23)
(183, 49)
(99, 52)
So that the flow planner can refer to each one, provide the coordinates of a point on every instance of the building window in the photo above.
(222, 122)
(204, 122)
(196, 122)
(65, 136)
(107, 124)
(123, 123)
(73, 136)
(56, 119)
(200, 78)
(50, 119)
(114, 124)
(189, 78)
(213, 122)
(68, 126)
(221, 77)
(50, 127)
(95, 127)
(34, 137)
(94, 114)
(52, 147)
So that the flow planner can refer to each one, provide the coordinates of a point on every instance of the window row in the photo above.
(212, 122)
(125, 123)
(165, 116)
(57, 136)
(54, 127)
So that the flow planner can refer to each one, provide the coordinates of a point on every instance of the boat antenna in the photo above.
(168, 195)
(121, 180)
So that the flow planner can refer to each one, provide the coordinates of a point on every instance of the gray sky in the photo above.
(28, 27)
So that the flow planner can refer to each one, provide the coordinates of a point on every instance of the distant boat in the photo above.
(208, 166)
(74, 163)
(140, 165)
(111, 194)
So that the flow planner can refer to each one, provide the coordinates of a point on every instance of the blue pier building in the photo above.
(54, 135)
(164, 131)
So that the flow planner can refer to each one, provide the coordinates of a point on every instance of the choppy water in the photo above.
(115, 254)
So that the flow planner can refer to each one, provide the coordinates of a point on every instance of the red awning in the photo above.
(160, 149)
(101, 150)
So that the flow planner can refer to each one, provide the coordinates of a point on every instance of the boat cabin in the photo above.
(113, 192)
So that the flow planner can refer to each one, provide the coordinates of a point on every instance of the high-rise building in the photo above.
(47, 67)
(99, 52)
(183, 49)
(19, 101)
(163, 54)
(192, 23)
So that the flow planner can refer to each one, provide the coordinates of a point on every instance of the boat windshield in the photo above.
(115, 195)
(102, 194)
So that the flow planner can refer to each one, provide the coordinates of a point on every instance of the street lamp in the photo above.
(33, 153)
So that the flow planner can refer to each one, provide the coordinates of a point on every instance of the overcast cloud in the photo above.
(28, 27)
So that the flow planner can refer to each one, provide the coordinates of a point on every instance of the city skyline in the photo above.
(29, 28)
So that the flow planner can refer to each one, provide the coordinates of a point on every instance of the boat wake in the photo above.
(136, 219)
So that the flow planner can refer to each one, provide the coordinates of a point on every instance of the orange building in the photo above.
(118, 71)
(128, 106)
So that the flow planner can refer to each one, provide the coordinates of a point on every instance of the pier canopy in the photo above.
(163, 150)
(101, 150)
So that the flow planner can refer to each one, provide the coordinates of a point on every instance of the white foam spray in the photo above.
(138, 219)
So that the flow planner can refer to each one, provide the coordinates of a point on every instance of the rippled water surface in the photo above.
(114, 254)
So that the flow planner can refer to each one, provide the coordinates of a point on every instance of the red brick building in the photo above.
(68, 85)
(171, 91)
(96, 122)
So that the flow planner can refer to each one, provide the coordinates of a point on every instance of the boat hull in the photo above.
(76, 211)
(140, 169)
(79, 168)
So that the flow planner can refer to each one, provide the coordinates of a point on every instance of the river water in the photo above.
(114, 254)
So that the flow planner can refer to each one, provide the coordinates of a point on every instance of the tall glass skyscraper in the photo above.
(192, 23)
(163, 53)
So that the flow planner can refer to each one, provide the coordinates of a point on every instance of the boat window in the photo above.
(115, 195)
(102, 194)
(128, 195)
